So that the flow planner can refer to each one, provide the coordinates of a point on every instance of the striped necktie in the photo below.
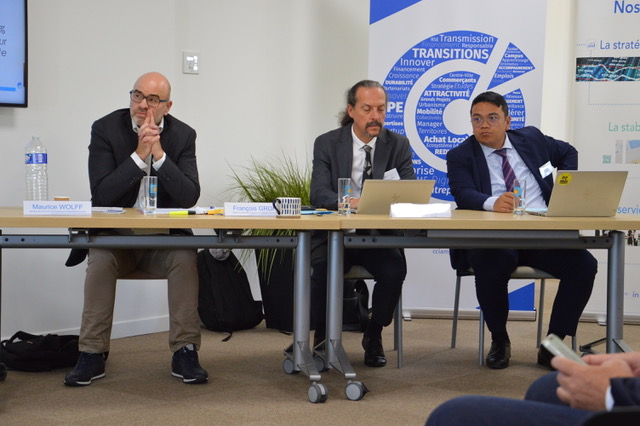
(366, 173)
(507, 171)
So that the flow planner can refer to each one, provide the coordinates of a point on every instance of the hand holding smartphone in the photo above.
(559, 348)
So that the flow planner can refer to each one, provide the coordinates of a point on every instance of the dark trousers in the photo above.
(388, 267)
(576, 270)
(541, 406)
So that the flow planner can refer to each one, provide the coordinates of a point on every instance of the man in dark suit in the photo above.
(341, 153)
(568, 397)
(479, 179)
(127, 145)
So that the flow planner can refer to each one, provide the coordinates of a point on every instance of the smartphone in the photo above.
(559, 348)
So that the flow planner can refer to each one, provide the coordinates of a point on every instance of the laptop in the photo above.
(378, 195)
(584, 193)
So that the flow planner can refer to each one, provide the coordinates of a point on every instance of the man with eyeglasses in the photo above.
(480, 172)
(125, 146)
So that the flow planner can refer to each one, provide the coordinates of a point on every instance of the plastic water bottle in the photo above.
(35, 160)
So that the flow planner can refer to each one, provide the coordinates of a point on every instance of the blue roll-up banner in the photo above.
(607, 122)
(434, 57)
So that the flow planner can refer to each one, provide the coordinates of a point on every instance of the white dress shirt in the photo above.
(357, 166)
(534, 198)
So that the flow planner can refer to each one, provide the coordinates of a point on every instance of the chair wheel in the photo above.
(317, 393)
(289, 367)
(320, 363)
(355, 391)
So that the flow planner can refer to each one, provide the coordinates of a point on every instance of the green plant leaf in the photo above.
(262, 181)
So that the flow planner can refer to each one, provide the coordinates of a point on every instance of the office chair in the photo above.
(521, 272)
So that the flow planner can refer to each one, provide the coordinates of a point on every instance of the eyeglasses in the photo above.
(492, 120)
(152, 100)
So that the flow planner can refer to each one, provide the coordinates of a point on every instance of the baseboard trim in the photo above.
(435, 313)
(467, 314)
(140, 326)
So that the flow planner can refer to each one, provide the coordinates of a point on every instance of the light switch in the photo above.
(190, 63)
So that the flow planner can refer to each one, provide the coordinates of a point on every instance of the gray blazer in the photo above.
(333, 158)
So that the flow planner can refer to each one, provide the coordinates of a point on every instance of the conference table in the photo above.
(479, 229)
(229, 233)
(464, 229)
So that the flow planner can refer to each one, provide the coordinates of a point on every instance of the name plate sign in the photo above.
(56, 208)
(249, 209)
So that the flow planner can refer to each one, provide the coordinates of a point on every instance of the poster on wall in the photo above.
(607, 121)
(434, 57)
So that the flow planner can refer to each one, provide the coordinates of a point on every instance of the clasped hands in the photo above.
(149, 139)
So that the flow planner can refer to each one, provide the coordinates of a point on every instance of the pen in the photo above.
(181, 212)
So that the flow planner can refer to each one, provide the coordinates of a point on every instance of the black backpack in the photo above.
(225, 302)
(30, 352)
(355, 306)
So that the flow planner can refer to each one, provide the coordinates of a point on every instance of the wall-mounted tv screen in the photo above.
(13, 53)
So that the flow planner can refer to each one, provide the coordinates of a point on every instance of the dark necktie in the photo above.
(507, 171)
(366, 173)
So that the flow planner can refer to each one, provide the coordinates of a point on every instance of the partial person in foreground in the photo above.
(360, 149)
(567, 397)
(125, 146)
(481, 173)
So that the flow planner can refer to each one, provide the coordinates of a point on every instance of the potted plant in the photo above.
(261, 182)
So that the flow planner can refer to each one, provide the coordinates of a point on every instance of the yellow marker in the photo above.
(181, 212)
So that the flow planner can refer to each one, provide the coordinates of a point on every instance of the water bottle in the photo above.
(35, 160)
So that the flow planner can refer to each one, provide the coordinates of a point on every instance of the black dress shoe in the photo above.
(499, 355)
(544, 358)
(373, 352)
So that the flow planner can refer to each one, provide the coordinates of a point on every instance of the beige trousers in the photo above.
(104, 268)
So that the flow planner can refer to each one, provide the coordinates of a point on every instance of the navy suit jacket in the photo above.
(626, 391)
(333, 159)
(469, 174)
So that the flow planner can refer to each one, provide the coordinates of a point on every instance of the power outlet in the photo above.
(190, 63)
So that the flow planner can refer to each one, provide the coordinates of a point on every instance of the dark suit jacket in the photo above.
(333, 159)
(115, 178)
(469, 174)
(626, 391)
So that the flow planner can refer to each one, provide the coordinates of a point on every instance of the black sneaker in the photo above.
(185, 365)
(89, 367)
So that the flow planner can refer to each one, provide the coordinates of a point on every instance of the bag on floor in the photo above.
(355, 307)
(225, 302)
(30, 352)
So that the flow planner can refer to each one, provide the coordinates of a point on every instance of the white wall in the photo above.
(273, 76)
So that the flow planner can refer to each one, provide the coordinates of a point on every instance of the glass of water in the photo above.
(519, 196)
(344, 196)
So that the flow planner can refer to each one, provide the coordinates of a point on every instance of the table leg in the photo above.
(615, 294)
(3, 368)
(336, 356)
(300, 357)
